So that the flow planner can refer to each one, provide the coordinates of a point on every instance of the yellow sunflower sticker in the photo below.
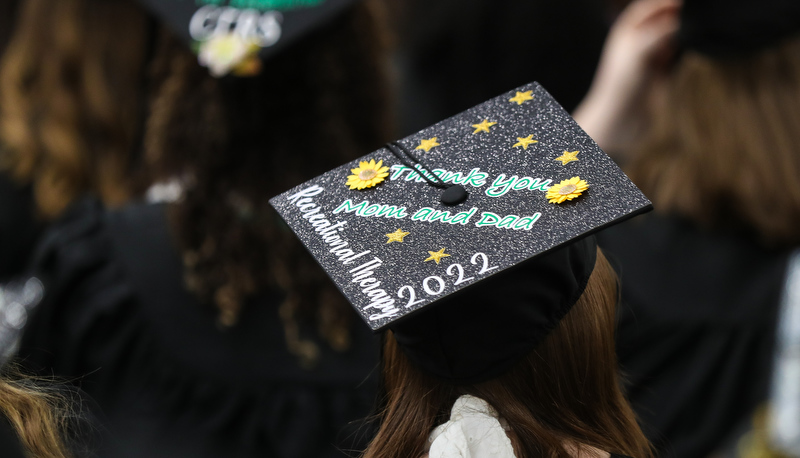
(367, 174)
(566, 190)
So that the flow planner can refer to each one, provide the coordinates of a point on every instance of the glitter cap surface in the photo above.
(534, 183)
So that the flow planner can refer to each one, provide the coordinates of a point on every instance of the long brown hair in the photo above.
(238, 142)
(724, 148)
(75, 95)
(70, 92)
(565, 393)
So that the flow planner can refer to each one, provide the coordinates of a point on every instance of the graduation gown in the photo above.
(173, 384)
(19, 228)
(696, 328)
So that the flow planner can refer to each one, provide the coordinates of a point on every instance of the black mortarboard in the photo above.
(469, 277)
(722, 28)
(261, 27)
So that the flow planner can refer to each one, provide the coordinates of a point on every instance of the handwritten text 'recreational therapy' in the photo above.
(380, 305)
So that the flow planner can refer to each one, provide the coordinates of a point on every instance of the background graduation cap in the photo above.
(399, 240)
(725, 28)
(235, 36)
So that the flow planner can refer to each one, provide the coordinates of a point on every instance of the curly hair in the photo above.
(86, 82)
(70, 99)
(238, 142)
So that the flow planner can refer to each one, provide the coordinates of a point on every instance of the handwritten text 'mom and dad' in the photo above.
(475, 178)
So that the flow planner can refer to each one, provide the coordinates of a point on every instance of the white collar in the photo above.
(474, 431)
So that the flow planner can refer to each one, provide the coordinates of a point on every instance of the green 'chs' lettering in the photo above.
(264, 5)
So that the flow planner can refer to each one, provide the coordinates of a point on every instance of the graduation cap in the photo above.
(472, 229)
(725, 28)
(235, 36)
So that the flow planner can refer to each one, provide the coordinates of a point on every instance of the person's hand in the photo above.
(639, 46)
(637, 52)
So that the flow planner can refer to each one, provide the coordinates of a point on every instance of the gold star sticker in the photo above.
(483, 126)
(427, 144)
(396, 236)
(568, 156)
(521, 97)
(524, 142)
(437, 255)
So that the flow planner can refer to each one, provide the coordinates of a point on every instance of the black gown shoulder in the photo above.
(172, 383)
(19, 228)
(696, 328)
(9, 441)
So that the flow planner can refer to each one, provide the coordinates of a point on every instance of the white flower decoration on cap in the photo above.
(474, 431)
(227, 53)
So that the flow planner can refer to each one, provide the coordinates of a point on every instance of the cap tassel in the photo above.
(452, 195)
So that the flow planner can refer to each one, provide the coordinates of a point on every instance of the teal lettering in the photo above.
(453, 177)
(399, 169)
(348, 207)
(476, 178)
(369, 211)
(365, 209)
(540, 185)
(527, 222)
(463, 217)
(488, 219)
(507, 221)
(418, 174)
(500, 185)
(422, 214)
(440, 215)
(522, 183)
(265, 4)
(390, 211)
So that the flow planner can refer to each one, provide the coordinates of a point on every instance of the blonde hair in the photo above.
(39, 415)
(724, 150)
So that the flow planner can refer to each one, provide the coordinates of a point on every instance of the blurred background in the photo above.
(176, 242)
